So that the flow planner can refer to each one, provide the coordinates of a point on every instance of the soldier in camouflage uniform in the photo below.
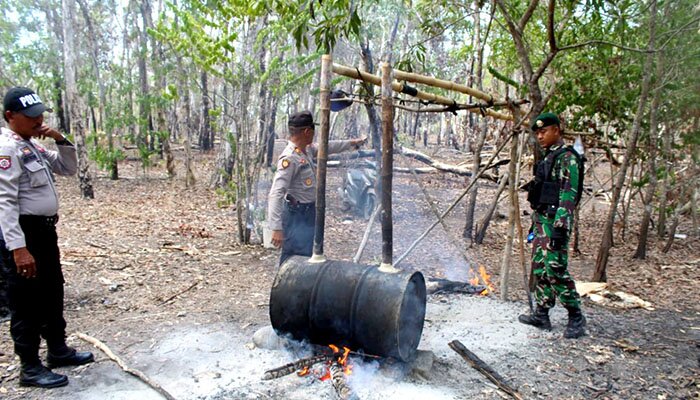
(291, 203)
(553, 194)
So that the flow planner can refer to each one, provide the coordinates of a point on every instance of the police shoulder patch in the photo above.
(285, 163)
(308, 182)
(5, 162)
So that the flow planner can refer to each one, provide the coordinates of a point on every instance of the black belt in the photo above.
(294, 202)
(43, 220)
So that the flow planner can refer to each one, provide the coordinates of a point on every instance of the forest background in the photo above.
(138, 78)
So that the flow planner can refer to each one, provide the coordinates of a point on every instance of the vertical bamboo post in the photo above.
(387, 168)
(325, 114)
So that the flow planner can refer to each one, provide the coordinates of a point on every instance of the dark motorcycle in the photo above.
(358, 193)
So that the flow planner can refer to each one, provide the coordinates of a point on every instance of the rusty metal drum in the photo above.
(354, 305)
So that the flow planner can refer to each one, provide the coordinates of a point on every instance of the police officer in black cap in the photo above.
(29, 245)
(291, 208)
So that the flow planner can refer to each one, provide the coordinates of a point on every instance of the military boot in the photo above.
(577, 322)
(67, 356)
(540, 319)
(35, 374)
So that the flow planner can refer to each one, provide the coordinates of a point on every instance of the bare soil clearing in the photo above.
(155, 271)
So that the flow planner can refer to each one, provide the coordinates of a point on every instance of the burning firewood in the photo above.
(338, 372)
(296, 366)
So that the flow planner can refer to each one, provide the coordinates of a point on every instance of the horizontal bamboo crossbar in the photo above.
(441, 83)
(401, 88)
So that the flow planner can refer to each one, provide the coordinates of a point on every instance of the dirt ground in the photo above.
(155, 272)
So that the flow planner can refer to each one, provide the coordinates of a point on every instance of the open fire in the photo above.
(323, 372)
(334, 367)
(483, 277)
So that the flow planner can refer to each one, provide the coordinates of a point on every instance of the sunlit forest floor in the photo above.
(148, 255)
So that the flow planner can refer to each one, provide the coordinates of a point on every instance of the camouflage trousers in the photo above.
(550, 268)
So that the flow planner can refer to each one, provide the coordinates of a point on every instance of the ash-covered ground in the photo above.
(155, 271)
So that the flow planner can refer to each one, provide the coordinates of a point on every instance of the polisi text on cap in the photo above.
(30, 99)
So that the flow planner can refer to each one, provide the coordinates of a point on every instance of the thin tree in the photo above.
(73, 100)
(600, 274)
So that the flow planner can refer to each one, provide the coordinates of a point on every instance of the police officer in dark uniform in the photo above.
(553, 195)
(291, 202)
(29, 245)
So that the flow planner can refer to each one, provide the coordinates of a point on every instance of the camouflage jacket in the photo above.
(565, 172)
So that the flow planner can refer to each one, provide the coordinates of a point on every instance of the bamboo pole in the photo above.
(435, 82)
(387, 168)
(325, 114)
(402, 88)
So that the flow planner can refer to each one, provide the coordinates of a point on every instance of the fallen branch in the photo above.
(365, 237)
(179, 293)
(290, 368)
(483, 368)
(103, 347)
(339, 383)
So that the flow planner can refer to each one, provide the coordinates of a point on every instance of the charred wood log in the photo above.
(483, 368)
(437, 285)
(295, 366)
(340, 384)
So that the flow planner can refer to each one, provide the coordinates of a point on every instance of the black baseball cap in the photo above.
(24, 100)
(301, 119)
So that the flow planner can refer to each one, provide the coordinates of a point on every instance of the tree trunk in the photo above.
(367, 65)
(468, 231)
(73, 100)
(512, 193)
(205, 127)
(144, 102)
(648, 197)
(484, 225)
(606, 243)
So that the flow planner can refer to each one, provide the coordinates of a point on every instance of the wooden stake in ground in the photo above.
(103, 347)
(484, 368)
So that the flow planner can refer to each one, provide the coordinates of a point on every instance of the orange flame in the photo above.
(481, 277)
(486, 278)
(325, 373)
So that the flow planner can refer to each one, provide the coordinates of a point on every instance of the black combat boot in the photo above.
(540, 319)
(574, 329)
(35, 374)
(67, 356)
